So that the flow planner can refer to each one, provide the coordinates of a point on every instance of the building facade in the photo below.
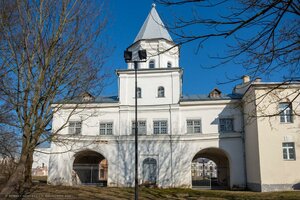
(95, 144)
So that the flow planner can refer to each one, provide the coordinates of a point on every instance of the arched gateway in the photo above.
(210, 167)
(90, 167)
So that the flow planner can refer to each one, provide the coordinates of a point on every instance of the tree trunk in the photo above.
(21, 177)
(15, 180)
(28, 169)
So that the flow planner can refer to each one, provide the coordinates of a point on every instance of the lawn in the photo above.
(43, 191)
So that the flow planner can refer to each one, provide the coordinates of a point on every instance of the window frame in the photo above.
(193, 126)
(285, 112)
(160, 92)
(75, 128)
(286, 153)
(225, 125)
(133, 127)
(161, 129)
(139, 92)
(151, 64)
(106, 128)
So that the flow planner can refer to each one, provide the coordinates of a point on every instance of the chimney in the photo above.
(246, 79)
(257, 80)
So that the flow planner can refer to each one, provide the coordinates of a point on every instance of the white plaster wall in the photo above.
(209, 113)
(161, 51)
(149, 81)
(174, 152)
(40, 157)
(90, 117)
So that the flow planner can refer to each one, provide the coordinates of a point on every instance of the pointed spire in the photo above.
(153, 27)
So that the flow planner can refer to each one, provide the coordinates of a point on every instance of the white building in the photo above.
(40, 162)
(173, 129)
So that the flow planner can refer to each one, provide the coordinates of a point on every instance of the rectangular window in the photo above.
(193, 126)
(75, 127)
(141, 125)
(226, 125)
(106, 128)
(288, 150)
(285, 112)
(160, 127)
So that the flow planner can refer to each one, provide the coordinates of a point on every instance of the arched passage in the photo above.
(90, 167)
(210, 167)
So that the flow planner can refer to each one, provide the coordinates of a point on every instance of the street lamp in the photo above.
(128, 59)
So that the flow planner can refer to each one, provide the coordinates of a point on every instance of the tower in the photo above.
(160, 77)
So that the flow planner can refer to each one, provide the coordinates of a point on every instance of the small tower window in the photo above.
(139, 93)
(161, 92)
(169, 65)
(151, 64)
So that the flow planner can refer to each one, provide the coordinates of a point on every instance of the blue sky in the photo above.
(125, 21)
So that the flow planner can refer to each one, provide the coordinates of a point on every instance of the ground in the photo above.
(43, 191)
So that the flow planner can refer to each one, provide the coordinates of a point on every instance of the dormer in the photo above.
(87, 97)
(215, 94)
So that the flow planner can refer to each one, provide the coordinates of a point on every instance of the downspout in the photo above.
(244, 145)
(171, 130)
(118, 143)
(171, 146)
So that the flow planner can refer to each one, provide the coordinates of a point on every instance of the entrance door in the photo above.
(149, 171)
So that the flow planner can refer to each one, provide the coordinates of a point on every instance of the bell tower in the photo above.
(159, 77)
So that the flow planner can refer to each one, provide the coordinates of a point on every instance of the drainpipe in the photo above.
(171, 145)
(244, 146)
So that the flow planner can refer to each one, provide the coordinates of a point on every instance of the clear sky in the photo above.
(125, 20)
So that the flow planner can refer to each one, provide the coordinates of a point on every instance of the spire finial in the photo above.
(153, 5)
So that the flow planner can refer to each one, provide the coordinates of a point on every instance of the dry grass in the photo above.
(43, 191)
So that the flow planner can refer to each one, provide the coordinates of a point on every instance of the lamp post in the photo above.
(128, 59)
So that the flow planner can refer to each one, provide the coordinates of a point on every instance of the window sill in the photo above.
(74, 134)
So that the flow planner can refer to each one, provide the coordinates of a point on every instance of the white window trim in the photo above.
(106, 122)
(69, 127)
(284, 113)
(152, 60)
(193, 119)
(164, 94)
(155, 120)
(226, 117)
(139, 120)
(288, 152)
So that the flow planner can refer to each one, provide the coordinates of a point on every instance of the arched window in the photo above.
(169, 65)
(161, 92)
(149, 171)
(139, 93)
(151, 64)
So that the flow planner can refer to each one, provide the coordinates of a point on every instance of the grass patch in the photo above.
(43, 191)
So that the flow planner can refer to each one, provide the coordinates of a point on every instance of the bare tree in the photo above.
(8, 144)
(49, 51)
(263, 36)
